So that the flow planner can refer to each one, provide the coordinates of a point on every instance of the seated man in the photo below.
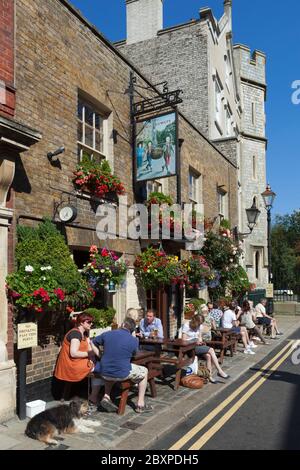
(264, 319)
(215, 315)
(150, 326)
(119, 346)
(229, 321)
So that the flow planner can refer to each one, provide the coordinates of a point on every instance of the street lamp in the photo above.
(252, 216)
(269, 197)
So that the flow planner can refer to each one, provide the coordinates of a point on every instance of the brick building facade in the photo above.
(61, 59)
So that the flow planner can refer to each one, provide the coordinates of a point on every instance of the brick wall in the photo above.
(48, 78)
(7, 91)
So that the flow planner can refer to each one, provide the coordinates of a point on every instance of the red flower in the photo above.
(60, 294)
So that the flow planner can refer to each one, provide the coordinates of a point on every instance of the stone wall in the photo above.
(179, 56)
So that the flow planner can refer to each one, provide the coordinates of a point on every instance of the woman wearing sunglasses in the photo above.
(75, 360)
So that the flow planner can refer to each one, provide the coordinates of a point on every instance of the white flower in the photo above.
(46, 268)
(44, 278)
(29, 269)
(231, 260)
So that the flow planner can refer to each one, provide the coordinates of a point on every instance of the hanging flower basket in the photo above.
(154, 268)
(98, 180)
(198, 272)
(105, 269)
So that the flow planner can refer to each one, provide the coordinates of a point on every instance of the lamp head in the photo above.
(268, 197)
(51, 155)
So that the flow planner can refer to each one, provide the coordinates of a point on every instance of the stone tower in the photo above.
(144, 19)
(251, 76)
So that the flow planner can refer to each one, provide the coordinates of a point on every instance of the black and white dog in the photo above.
(61, 419)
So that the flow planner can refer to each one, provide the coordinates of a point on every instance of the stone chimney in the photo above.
(228, 12)
(144, 19)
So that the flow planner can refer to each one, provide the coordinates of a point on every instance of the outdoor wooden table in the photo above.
(184, 353)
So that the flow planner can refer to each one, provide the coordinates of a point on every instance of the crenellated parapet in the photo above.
(249, 66)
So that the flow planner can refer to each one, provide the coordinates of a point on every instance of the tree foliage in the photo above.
(286, 251)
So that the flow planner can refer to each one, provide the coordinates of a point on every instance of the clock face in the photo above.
(67, 213)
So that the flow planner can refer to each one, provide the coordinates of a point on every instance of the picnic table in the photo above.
(177, 352)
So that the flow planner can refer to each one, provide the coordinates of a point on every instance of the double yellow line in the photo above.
(215, 428)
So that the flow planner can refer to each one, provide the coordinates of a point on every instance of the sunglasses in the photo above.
(89, 322)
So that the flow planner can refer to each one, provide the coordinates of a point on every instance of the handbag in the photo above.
(192, 381)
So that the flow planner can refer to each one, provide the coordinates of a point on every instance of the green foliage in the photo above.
(285, 239)
(102, 317)
(46, 275)
(238, 282)
(197, 303)
(159, 198)
(225, 224)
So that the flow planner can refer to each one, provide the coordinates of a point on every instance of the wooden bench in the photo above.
(143, 358)
(154, 370)
(227, 341)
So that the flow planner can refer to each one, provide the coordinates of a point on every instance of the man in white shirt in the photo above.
(229, 322)
(264, 319)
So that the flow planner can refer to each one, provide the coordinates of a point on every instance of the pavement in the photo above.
(133, 431)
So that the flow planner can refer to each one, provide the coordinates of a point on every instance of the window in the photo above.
(222, 203)
(253, 113)
(195, 187)
(254, 168)
(228, 68)
(218, 100)
(154, 187)
(228, 122)
(90, 131)
(257, 264)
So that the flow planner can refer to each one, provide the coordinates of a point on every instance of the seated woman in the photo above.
(247, 319)
(75, 360)
(192, 330)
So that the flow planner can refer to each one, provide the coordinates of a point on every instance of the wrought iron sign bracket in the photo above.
(152, 105)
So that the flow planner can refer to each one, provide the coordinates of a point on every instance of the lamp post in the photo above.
(269, 197)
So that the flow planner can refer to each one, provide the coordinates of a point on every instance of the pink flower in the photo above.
(93, 249)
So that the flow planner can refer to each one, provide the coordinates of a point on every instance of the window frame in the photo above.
(100, 153)
(197, 187)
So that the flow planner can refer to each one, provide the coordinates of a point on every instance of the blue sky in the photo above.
(262, 25)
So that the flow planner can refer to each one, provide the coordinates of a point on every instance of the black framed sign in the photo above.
(156, 151)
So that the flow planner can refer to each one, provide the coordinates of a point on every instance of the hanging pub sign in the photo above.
(156, 152)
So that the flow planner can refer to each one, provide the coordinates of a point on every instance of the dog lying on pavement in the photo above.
(63, 419)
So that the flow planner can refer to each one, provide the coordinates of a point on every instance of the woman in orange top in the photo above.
(74, 362)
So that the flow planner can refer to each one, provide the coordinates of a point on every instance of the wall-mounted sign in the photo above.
(27, 335)
(156, 147)
(270, 291)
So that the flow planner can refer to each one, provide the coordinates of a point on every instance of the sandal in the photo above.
(144, 409)
(108, 405)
